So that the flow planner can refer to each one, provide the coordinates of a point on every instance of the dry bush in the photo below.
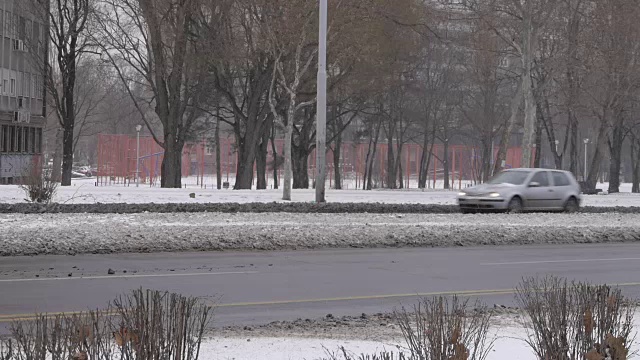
(39, 185)
(343, 354)
(440, 328)
(6, 349)
(153, 325)
(145, 325)
(576, 321)
(62, 337)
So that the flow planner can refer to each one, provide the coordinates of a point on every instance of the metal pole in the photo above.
(321, 121)
(138, 159)
(584, 176)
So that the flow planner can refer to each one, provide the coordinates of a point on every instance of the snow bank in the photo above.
(38, 234)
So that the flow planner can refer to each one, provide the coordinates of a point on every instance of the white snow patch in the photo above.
(509, 344)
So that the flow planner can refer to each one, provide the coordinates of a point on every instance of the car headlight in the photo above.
(494, 195)
(462, 194)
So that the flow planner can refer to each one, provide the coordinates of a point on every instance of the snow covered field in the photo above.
(85, 191)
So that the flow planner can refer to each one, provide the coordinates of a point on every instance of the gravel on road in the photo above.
(58, 234)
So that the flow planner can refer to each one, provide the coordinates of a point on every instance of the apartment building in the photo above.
(23, 59)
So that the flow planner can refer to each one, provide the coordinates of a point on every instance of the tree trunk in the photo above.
(635, 164)
(286, 191)
(171, 168)
(445, 165)
(218, 163)
(424, 160)
(56, 172)
(573, 33)
(67, 150)
(261, 167)
(528, 40)
(337, 170)
(615, 150)
(261, 159)
(300, 168)
(373, 147)
(274, 151)
(594, 170)
(337, 125)
(487, 158)
(538, 148)
(506, 133)
(391, 165)
(399, 169)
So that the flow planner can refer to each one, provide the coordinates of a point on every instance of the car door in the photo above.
(562, 188)
(539, 192)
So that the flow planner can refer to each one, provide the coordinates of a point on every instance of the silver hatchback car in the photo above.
(518, 190)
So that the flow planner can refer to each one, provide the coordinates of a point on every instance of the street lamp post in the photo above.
(584, 175)
(557, 142)
(138, 128)
(321, 121)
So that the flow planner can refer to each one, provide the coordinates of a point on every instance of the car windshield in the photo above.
(510, 177)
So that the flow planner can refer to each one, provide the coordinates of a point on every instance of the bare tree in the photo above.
(151, 44)
(67, 24)
(295, 51)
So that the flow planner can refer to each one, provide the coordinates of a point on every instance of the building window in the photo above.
(38, 141)
(7, 24)
(32, 140)
(20, 147)
(4, 138)
(13, 86)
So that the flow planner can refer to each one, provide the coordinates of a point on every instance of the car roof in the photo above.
(535, 169)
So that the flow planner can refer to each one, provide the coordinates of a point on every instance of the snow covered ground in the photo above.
(85, 191)
(509, 345)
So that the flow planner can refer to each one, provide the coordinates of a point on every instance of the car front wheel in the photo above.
(515, 206)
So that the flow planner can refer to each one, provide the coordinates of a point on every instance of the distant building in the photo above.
(23, 59)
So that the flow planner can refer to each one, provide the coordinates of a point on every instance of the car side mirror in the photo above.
(534, 184)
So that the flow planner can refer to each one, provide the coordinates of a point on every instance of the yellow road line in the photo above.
(464, 293)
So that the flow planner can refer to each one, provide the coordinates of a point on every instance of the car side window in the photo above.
(541, 178)
(560, 179)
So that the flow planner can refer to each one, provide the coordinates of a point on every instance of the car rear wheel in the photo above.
(515, 206)
(571, 205)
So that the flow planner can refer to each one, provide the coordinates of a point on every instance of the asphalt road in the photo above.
(256, 288)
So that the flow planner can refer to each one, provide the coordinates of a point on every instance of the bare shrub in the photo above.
(144, 325)
(63, 337)
(575, 321)
(39, 185)
(6, 349)
(343, 354)
(442, 328)
(153, 325)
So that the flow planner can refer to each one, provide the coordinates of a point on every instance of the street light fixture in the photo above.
(138, 128)
(584, 176)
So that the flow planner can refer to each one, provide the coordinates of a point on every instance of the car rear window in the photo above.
(560, 179)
